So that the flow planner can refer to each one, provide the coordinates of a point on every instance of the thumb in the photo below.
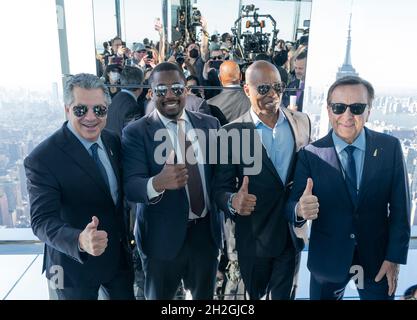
(171, 158)
(308, 191)
(245, 184)
(93, 224)
(380, 275)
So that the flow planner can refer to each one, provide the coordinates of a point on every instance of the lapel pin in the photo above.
(375, 152)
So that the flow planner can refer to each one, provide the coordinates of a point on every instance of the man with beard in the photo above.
(267, 247)
(178, 228)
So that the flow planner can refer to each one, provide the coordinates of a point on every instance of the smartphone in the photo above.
(215, 64)
(150, 55)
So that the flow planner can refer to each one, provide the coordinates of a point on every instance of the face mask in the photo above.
(114, 76)
(196, 92)
(194, 53)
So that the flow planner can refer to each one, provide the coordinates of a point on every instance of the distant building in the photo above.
(347, 69)
(5, 217)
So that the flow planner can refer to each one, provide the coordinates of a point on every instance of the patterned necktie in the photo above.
(195, 186)
(99, 164)
(351, 177)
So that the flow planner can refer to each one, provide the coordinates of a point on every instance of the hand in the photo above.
(391, 270)
(308, 205)
(91, 240)
(207, 69)
(172, 177)
(158, 25)
(244, 202)
(203, 23)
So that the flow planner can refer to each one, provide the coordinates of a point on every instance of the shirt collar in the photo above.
(87, 144)
(167, 121)
(258, 122)
(130, 93)
(340, 144)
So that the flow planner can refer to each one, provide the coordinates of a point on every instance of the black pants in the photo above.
(196, 265)
(269, 276)
(368, 290)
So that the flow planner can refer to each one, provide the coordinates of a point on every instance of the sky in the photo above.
(383, 46)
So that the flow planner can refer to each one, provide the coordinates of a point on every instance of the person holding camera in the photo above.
(211, 72)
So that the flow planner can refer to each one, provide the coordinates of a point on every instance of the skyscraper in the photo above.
(5, 217)
(347, 69)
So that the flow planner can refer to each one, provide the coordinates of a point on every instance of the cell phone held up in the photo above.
(215, 64)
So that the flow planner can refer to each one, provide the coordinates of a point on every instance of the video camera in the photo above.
(195, 17)
(257, 41)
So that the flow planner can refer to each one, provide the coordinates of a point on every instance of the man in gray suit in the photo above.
(232, 102)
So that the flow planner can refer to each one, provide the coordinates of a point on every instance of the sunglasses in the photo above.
(263, 89)
(162, 90)
(356, 108)
(81, 110)
(217, 58)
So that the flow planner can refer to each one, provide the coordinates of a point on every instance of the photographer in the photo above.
(118, 52)
(211, 71)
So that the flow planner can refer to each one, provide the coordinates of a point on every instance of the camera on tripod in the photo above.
(256, 41)
(195, 17)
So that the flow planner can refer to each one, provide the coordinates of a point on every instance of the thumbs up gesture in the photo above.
(244, 202)
(91, 240)
(173, 176)
(308, 205)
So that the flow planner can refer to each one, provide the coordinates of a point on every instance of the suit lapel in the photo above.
(111, 154)
(198, 123)
(371, 163)
(153, 125)
(329, 154)
(76, 151)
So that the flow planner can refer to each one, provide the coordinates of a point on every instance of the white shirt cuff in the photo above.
(150, 190)
(296, 218)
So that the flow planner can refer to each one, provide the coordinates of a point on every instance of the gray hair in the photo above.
(84, 81)
(351, 81)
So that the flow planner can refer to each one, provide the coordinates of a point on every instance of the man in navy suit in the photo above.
(267, 248)
(76, 199)
(178, 228)
(353, 185)
(125, 106)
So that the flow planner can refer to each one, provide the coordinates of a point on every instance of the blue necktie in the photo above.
(99, 164)
(351, 178)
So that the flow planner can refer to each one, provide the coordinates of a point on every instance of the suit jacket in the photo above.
(380, 222)
(66, 189)
(263, 233)
(123, 109)
(291, 91)
(232, 102)
(161, 225)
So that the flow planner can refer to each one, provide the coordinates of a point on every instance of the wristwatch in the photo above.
(229, 204)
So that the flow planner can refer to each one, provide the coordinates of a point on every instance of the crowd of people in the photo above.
(218, 182)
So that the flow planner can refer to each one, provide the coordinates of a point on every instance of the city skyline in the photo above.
(380, 38)
(31, 108)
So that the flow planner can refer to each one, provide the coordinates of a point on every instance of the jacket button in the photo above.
(352, 236)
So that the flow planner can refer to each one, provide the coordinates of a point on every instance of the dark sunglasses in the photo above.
(217, 58)
(161, 90)
(356, 108)
(263, 89)
(81, 110)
